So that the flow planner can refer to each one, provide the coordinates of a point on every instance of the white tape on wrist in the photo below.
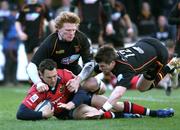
(101, 111)
(107, 106)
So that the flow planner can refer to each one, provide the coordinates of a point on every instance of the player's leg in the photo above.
(149, 77)
(134, 108)
(80, 112)
(130, 108)
(116, 112)
(171, 68)
(146, 80)
(94, 85)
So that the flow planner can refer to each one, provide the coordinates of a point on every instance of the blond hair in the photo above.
(66, 17)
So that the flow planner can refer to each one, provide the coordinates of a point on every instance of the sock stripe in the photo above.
(147, 111)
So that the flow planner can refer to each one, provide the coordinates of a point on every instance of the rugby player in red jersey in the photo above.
(68, 105)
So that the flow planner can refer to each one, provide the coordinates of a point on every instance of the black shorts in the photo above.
(161, 60)
(161, 50)
(31, 44)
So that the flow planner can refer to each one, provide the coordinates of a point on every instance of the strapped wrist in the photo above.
(106, 107)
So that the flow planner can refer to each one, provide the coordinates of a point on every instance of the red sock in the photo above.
(107, 115)
(134, 108)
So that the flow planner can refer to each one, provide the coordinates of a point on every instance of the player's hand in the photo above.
(68, 106)
(48, 112)
(109, 29)
(41, 87)
(73, 84)
(23, 36)
(130, 32)
(94, 113)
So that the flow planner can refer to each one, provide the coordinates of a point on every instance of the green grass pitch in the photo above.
(11, 97)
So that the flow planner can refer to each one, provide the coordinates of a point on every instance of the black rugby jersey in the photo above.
(65, 54)
(32, 17)
(90, 9)
(138, 59)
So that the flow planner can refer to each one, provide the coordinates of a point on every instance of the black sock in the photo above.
(153, 113)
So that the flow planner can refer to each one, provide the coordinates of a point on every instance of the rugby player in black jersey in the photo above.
(90, 12)
(147, 58)
(65, 47)
(30, 25)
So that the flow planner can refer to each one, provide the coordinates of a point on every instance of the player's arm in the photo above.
(86, 71)
(51, 25)
(116, 94)
(43, 52)
(80, 97)
(74, 84)
(24, 113)
(49, 17)
(89, 64)
(128, 22)
(22, 35)
(108, 11)
(32, 71)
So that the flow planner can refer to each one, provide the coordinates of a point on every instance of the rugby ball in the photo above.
(42, 105)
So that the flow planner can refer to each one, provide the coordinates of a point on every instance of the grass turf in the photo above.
(11, 97)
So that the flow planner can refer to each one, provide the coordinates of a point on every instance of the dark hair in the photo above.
(106, 54)
(47, 64)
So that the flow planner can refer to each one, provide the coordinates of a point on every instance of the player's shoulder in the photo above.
(51, 39)
(80, 34)
(32, 89)
(65, 75)
(82, 38)
(53, 35)
(64, 72)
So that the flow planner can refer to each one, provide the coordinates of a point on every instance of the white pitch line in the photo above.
(152, 99)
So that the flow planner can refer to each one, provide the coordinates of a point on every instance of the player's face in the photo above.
(106, 68)
(50, 77)
(67, 32)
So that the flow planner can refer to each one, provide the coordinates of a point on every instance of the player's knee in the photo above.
(94, 85)
(144, 88)
(102, 88)
(141, 89)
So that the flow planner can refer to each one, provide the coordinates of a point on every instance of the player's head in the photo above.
(105, 57)
(48, 72)
(67, 23)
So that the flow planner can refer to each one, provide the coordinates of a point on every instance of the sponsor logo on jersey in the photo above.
(70, 59)
(119, 77)
(32, 16)
(90, 1)
(34, 97)
(139, 50)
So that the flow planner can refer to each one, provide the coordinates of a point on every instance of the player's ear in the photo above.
(113, 62)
